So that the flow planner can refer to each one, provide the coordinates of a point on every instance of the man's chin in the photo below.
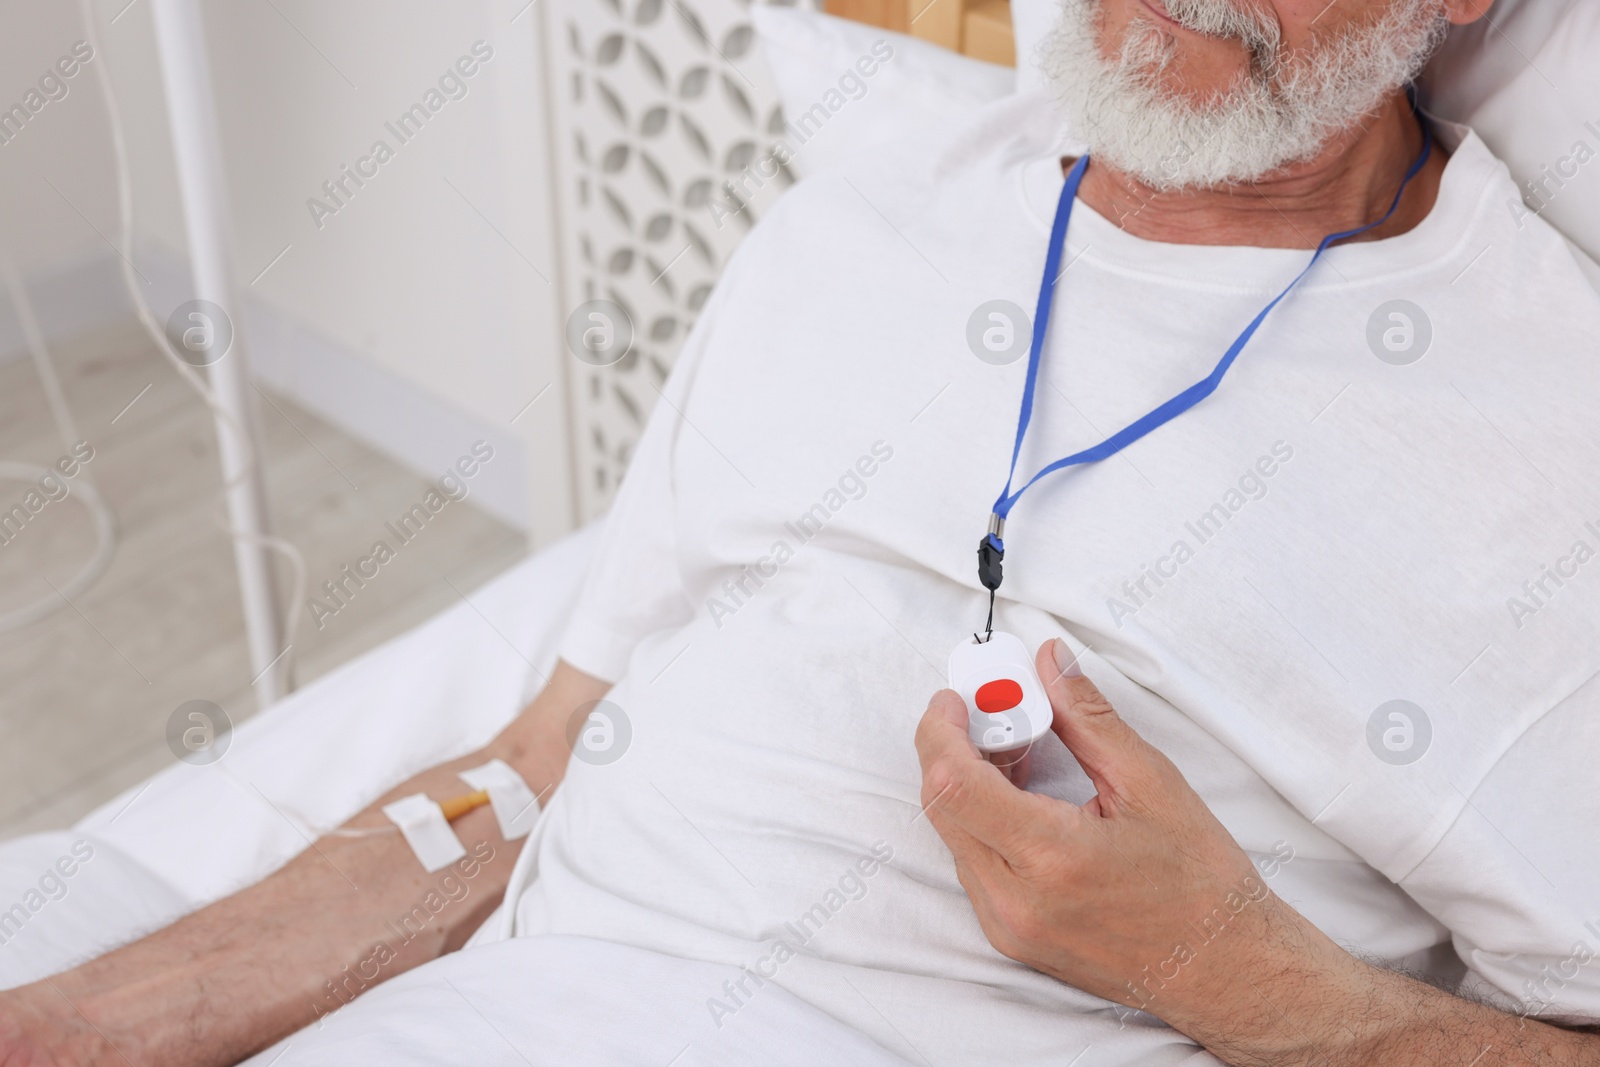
(1170, 150)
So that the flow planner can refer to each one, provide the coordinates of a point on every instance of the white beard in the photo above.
(1282, 111)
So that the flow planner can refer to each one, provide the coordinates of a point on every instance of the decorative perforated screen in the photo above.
(659, 105)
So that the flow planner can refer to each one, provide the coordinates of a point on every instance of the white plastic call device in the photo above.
(1007, 708)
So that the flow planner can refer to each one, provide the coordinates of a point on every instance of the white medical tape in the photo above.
(516, 809)
(426, 831)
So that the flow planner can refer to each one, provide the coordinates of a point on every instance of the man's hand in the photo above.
(1101, 896)
(1142, 897)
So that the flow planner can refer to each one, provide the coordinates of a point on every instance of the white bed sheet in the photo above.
(193, 834)
(553, 1001)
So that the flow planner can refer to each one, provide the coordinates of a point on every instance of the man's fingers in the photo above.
(964, 792)
(942, 741)
(942, 735)
(1017, 766)
(1110, 752)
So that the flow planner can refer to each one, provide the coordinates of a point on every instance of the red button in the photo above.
(1000, 695)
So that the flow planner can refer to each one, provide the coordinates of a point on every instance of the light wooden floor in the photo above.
(85, 693)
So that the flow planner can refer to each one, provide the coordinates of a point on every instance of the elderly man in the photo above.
(1321, 648)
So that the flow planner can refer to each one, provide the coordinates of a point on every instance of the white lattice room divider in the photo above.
(659, 104)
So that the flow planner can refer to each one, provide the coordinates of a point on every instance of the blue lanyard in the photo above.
(992, 548)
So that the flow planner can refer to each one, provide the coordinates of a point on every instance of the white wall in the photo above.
(56, 187)
(416, 316)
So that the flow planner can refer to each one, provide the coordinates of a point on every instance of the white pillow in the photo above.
(1530, 85)
(915, 89)
(1526, 78)
(1031, 21)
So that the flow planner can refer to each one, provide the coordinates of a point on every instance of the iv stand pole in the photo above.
(191, 109)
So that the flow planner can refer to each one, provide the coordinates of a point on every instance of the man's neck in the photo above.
(1349, 183)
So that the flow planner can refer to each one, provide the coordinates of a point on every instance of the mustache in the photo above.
(1260, 34)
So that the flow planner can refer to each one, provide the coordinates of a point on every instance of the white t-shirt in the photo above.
(791, 559)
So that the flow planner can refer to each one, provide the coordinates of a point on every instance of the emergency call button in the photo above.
(1002, 694)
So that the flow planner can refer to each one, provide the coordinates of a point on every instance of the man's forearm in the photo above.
(1308, 1002)
(1417, 1024)
(237, 975)
(347, 914)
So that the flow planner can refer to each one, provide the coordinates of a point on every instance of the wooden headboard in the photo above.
(977, 28)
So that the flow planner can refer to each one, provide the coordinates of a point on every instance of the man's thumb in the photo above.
(1110, 752)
